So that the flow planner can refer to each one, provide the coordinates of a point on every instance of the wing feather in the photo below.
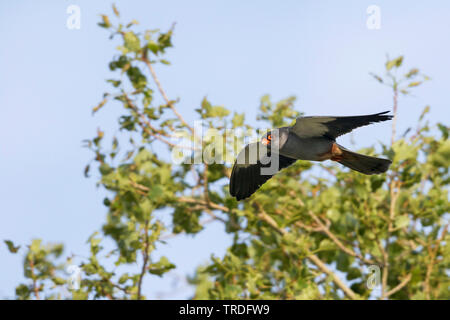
(246, 176)
(333, 127)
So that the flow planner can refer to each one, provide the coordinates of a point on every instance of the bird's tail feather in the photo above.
(362, 163)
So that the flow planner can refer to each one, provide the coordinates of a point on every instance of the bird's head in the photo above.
(267, 139)
(275, 138)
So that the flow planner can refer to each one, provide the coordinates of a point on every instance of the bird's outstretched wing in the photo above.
(333, 127)
(247, 176)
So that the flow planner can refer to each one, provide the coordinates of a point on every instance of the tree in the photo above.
(298, 237)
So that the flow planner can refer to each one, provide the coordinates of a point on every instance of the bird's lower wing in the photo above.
(251, 170)
(333, 127)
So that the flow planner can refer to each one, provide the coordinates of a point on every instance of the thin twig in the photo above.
(394, 119)
(348, 251)
(206, 206)
(163, 93)
(432, 254)
(145, 258)
(33, 276)
(205, 183)
(150, 130)
(399, 286)
(394, 192)
(335, 239)
(313, 258)
(348, 292)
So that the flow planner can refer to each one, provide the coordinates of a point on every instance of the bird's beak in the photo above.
(265, 141)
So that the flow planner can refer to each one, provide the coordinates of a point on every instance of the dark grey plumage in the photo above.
(247, 178)
(333, 127)
(310, 138)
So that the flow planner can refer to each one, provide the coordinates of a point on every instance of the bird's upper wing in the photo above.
(333, 127)
(247, 176)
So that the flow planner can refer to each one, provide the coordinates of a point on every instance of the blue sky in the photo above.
(231, 51)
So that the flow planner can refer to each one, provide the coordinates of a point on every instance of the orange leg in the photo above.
(336, 153)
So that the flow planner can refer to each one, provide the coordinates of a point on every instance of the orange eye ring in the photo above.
(266, 140)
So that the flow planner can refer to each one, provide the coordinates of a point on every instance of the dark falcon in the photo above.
(310, 138)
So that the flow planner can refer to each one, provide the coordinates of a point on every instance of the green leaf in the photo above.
(414, 84)
(11, 247)
(209, 111)
(424, 112)
(155, 192)
(397, 62)
(133, 22)
(23, 292)
(115, 83)
(153, 46)
(404, 151)
(59, 281)
(327, 244)
(206, 106)
(35, 245)
(105, 169)
(444, 130)
(99, 106)
(86, 171)
(116, 12)
(401, 221)
(137, 78)
(123, 278)
(131, 41)
(218, 112)
(184, 220)
(238, 120)
(161, 267)
(105, 23)
(412, 73)
(165, 40)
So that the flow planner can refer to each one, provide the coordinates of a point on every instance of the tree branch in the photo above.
(341, 246)
(145, 259)
(313, 258)
(399, 286)
(348, 292)
(335, 239)
(150, 130)
(394, 192)
(163, 93)
(394, 120)
(33, 276)
(432, 253)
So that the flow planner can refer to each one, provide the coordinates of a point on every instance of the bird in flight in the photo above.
(310, 138)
